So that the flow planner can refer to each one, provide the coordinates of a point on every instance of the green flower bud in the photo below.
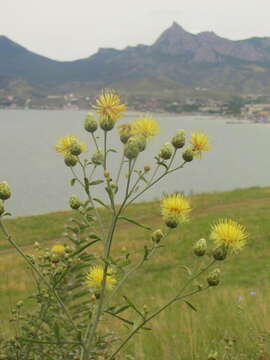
(178, 140)
(70, 160)
(75, 149)
(171, 222)
(212, 356)
(124, 138)
(131, 149)
(147, 168)
(188, 155)
(5, 192)
(166, 151)
(214, 278)
(90, 123)
(200, 247)
(157, 236)
(2, 208)
(74, 202)
(141, 142)
(98, 158)
(19, 304)
(106, 124)
(220, 253)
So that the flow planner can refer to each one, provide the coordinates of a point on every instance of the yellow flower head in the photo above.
(58, 249)
(146, 126)
(199, 142)
(176, 207)
(229, 233)
(94, 278)
(108, 105)
(64, 144)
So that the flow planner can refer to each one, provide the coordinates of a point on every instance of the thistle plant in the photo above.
(78, 282)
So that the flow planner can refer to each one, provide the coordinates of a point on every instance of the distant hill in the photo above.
(178, 59)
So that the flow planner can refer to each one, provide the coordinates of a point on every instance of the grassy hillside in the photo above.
(233, 319)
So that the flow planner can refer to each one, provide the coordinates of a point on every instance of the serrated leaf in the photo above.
(190, 305)
(132, 221)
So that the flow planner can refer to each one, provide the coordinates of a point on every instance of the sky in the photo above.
(73, 29)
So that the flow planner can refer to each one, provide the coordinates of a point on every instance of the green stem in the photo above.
(95, 141)
(105, 150)
(120, 169)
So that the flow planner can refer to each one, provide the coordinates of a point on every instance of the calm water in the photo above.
(40, 181)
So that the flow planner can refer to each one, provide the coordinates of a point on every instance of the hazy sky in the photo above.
(72, 29)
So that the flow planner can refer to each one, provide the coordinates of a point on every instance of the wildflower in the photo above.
(58, 249)
(214, 278)
(199, 142)
(157, 236)
(146, 126)
(70, 160)
(94, 278)
(175, 208)
(5, 192)
(131, 149)
(74, 202)
(200, 247)
(188, 155)
(90, 123)
(178, 141)
(166, 151)
(108, 106)
(230, 234)
(65, 144)
(98, 158)
(124, 132)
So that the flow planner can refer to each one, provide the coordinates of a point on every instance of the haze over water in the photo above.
(40, 180)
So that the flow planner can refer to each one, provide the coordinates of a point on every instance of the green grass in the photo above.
(227, 312)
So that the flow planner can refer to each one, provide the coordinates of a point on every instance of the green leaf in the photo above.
(188, 270)
(82, 248)
(130, 303)
(162, 164)
(96, 182)
(102, 203)
(190, 305)
(112, 150)
(72, 181)
(135, 223)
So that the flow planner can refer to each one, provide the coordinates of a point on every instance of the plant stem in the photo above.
(120, 169)
(95, 141)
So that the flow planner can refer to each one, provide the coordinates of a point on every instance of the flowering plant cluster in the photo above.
(78, 280)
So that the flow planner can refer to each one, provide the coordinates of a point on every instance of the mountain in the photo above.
(178, 59)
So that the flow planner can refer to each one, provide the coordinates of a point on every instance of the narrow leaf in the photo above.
(130, 303)
(96, 182)
(101, 203)
(135, 222)
(190, 305)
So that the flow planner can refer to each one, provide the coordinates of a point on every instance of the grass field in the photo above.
(232, 319)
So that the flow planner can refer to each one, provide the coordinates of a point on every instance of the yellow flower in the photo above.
(199, 142)
(64, 144)
(175, 207)
(146, 126)
(229, 233)
(125, 129)
(94, 278)
(109, 106)
(58, 249)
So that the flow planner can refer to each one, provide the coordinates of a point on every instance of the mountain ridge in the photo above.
(177, 57)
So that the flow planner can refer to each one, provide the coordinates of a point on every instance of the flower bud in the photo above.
(124, 132)
(141, 142)
(220, 253)
(124, 138)
(147, 168)
(188, 155)
(106, 173)
(2, 208)
(98, 158)
(178, 140)
(166, 151)
(106, 124)
(90, 123)
(5, 192)
(212, 356)
(70, 160)
(75, 149)
(131, 149)
(19, 304)
(157, 236)
(214, 278)
(200, 247)
(171, 222)
(74, 202)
